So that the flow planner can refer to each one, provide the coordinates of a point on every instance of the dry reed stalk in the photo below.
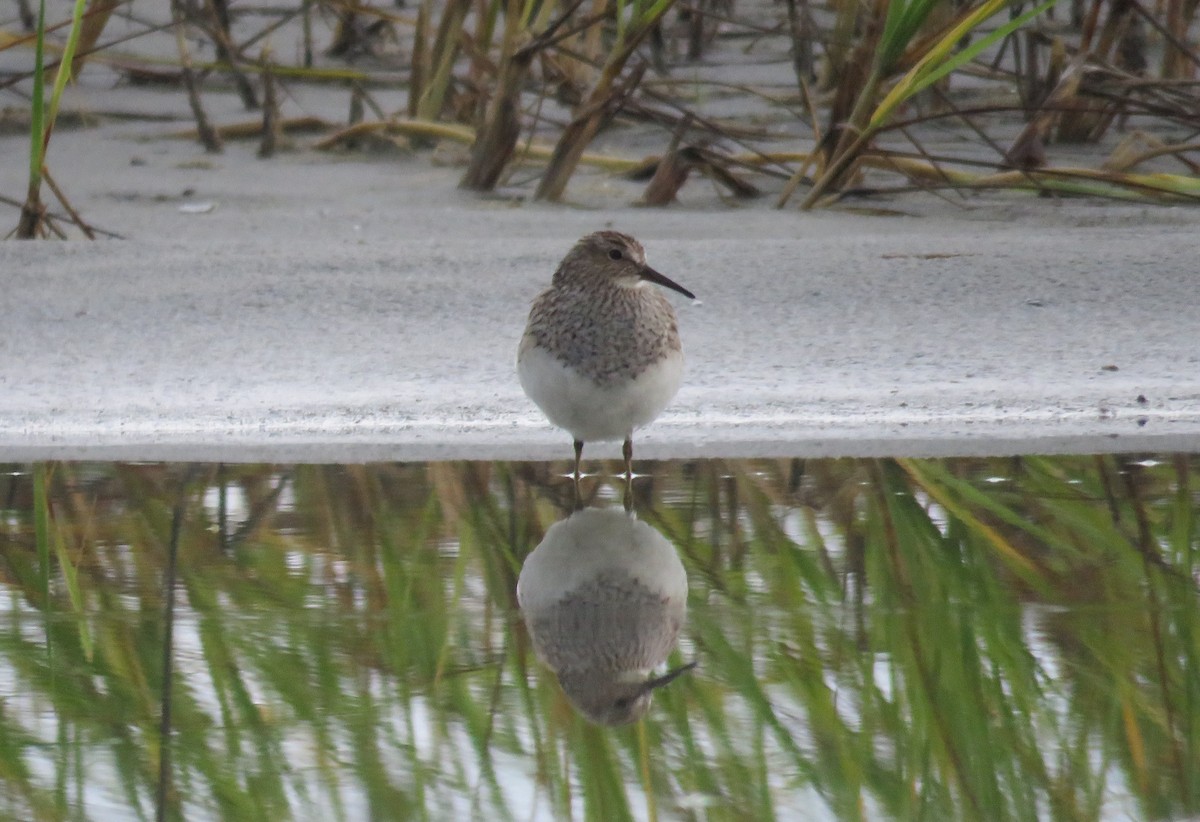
(441, 59)
(208, 136)
(716, 169)
(419, 63)
(306, 31)
(497, 138)
(604, 101)
(839, 43)
(928, 58)
(429, 129)
(32, 220)
(92, 26)
(1081, 119)
(672, 171)
(1178, 60)
(254, 128)
(347, 34)
(25, 12)
(409, 128)
(1140, 147)
(1026, 150)
(66, 204)
(52, 217)
(271, 131)
(220, 32)
(498, 134)
(849, 110)
(800, 25)
(356, 112)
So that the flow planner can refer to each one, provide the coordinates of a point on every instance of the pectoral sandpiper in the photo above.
(601, 354)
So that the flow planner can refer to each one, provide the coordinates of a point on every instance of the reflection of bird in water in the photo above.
(604, 596)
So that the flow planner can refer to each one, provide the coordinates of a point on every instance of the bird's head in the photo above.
(612, 698)
(612, 257)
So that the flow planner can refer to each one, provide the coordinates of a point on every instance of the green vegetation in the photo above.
(34, 220)
(918, 639)
(876, 84)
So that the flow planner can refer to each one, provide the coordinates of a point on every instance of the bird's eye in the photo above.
(615, 254)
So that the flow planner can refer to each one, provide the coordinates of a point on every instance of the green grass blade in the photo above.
(71, 578)
(41, 529)
(904, 20)
(37, 113)
(940, 61)
(64, 65)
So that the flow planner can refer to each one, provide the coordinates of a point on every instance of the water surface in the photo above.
(918, 639)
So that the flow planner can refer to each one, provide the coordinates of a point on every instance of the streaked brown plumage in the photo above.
(601, 354)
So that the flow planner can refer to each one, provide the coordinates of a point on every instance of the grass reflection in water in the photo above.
(1006, 638)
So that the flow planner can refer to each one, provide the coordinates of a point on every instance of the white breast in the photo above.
(593, 412)
(591, 543)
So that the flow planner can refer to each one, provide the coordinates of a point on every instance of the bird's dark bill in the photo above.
(667, 678)
(653, 276)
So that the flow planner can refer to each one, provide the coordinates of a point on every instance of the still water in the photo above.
(893, 639)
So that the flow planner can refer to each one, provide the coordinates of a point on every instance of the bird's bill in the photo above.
(668, 677)
(648, 273)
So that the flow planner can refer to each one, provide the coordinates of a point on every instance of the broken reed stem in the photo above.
(25, 12)
(497, 138)
(66, 204)
(854, 136)
(605, 99)
(253, 128)
(272, 133)
(32, 219)
(419, 64)
(409, 128)
(494, 147)
(356, 112)
(32, 213)
(50, 218)
(440, 63)
(307, 32)
(208, 136)
(227, 53)
(168, 800)
(672, 171)
(90, 28)
(802, 59)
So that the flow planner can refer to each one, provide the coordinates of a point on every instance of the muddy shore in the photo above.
(243, 317)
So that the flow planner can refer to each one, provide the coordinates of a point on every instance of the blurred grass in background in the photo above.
(719, 88)
(1006, 638)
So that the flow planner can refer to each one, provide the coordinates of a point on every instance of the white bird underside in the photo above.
(595, 542)
(592, 412)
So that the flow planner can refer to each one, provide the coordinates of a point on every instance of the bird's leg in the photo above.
(578, 456)
(576, 495)
(627, 450)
